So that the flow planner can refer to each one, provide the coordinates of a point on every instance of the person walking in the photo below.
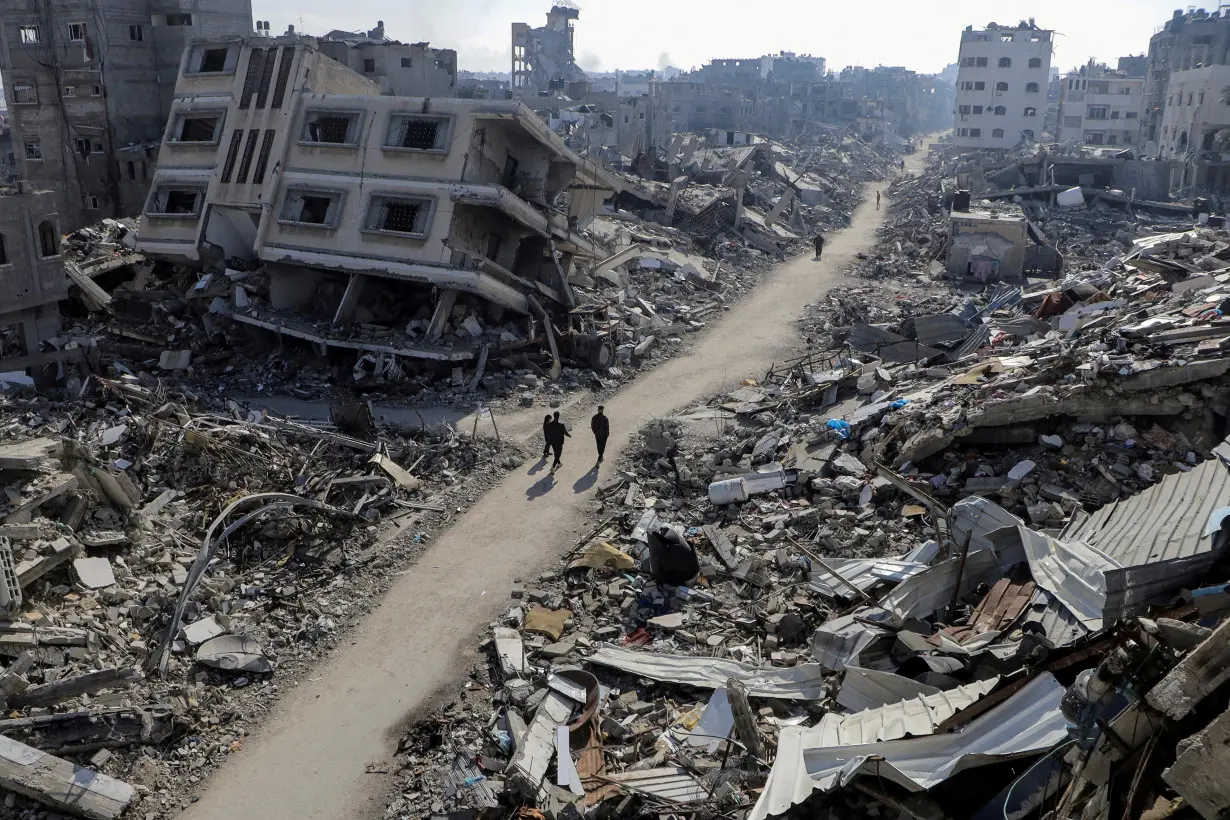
(601, 427)
(556, 434)
(877, 200)
(546, 437)
(819, 245)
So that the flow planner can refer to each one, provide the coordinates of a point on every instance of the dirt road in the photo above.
(309, 758)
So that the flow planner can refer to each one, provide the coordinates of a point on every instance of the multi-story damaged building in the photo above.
(400, 69)
(363, 210)
(1001, 85)
(1189, 40)
(544, 59)
(90, 84)
(1099, 106)
(32, 277)
(1195, 131)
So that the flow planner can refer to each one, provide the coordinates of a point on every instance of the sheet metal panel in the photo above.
(802, 682)
(914, 717)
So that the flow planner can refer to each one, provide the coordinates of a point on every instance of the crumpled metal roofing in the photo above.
(1157, 536)
(863, 689)
(914, 717)
(839, 641)
(864, 573)
(1026, 723)
(802, 682)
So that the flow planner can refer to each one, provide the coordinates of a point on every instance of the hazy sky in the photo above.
(631, 34)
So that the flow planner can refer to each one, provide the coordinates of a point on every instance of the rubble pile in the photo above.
(966, 527)
(166, 570)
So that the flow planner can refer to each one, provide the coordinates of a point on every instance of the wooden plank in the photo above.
(57, 783)
(88, 683)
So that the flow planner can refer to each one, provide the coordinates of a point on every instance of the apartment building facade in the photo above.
(1189, 40)
(1100, 106)
(1195, 131)
(1002, 80)
(90, 84)
(353, 200)
(32, 277)
(400, 69)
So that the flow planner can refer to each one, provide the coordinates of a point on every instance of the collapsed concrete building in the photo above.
(90, 85)
(545, 58)
(330, 206)
(400, 69)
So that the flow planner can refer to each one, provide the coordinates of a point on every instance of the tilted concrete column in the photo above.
(439, 317)
(350, 299)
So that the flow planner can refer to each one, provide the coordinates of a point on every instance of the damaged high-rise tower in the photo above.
(544, 58)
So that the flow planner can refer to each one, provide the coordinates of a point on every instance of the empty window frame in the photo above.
(330, 128)
(76, 32)
(262, 96)
(1031, 112)
(82, 144)
(1001, 111)
(975, 132)
(70, 91)
(4, 253)
(1005, 62)
(170, 201)
(179, 19)
(132, 171)
(980, 62)
(25, 94)
(90, 202)
(198, 127)
(1071, 122)
(34, 150)
(997, 133)
(211, 60)
(1027, 134)
(405, 62)
(256, 67)
(963, 110)
(136, 33)
(1131, 115)
(29, 35)
(408, 216)
(419, 133)
(232, 154)
(48, 238)
(262, 160)
(369, 66)
(311, 207)
(1001, 86)
(979, 85)
(249, 150)
(284, 64)
(1031, 88)
(977, 109)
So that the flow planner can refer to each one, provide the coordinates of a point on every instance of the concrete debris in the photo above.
(922, 548)
(107, 498)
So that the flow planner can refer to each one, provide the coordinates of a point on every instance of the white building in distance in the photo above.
(1001, 85)
(1100, 106)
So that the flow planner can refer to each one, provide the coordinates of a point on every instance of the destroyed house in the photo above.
(989, 244)
(358, 207)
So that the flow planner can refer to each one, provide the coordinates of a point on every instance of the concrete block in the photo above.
(1199, 771)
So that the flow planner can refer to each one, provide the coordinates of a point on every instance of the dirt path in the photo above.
(309, 758)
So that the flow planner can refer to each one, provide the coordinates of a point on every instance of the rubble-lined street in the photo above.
(313, 755)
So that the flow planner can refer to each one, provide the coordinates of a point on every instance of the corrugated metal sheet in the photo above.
(976, 518)
(1027, 723)
(925, 593)
(997, 610)
(863, 689)
(1157, 536)
(864, 573)
(802, 682)
(916, 717)
(840, 640)
(940, 328)
(670, 784)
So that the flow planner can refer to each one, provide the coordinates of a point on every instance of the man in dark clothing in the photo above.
(672, 560)
(546, 437)
(556, 432)
(601, 427)
(819, 245)
(877, 200)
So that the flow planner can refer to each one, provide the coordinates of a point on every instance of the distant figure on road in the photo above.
(556, 432)
(601, 426)
(877, 200)
(546, 436)
(902, 165)
(819, 245)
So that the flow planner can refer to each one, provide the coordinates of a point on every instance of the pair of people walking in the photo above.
(554, 432)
